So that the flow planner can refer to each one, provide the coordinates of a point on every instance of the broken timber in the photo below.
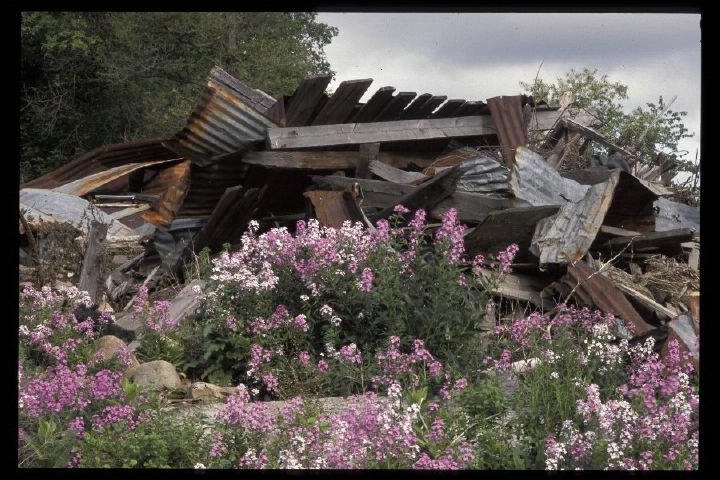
(395, 131)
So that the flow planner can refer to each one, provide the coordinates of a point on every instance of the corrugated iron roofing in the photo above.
(599, 291)
(621, 201)
(221, 124)
(103, 158)
(508, 118)
(208, 184)
(176, 182)
(536, 182)
(566, 236)
(87, 184)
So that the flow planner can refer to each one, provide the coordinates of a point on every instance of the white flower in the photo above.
(199, 466)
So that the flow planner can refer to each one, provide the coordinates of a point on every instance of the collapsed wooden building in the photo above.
(508, 166)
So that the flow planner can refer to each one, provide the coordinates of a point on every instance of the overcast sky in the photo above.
(477, 56)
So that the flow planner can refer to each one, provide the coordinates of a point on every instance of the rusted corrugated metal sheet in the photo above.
(621, 201)
(94, 181)
(592, 289)
(176, 180)
(566, 236)
(536, 182)
(507, 115)
(104, 158)
(208, 184)
(223, 123)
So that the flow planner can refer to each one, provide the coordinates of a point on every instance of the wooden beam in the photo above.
(357, 133)
(332, 160)
(396, 175)
(430, 193)
(392, 131)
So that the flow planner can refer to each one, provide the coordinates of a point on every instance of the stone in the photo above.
(156, 375)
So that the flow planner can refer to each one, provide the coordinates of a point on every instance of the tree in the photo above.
(95, 78)
(596, 93)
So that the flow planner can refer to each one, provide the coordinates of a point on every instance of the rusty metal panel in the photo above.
(85, 185)
(175, 183)
(591, 289)
(566, 236)
(507, 115)
(208, 184)
(221, 124)
(103, 158)
(536, 182)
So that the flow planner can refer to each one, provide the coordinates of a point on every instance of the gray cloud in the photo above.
(480, 55)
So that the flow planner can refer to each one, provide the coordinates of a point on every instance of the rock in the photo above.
(207, 392)
(156, 375)
(110, 344)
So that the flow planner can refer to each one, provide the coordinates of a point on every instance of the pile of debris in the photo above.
(588, 233)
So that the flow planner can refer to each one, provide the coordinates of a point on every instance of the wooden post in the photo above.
(90, 273)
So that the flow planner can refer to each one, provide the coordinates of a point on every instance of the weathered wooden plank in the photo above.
(504, 227)
(257, 99)
(578, 127)
(427, 108)
(229, 219)
(429, 194)
(332, 160)
(395, 106)
(276, 112)
(471, 108)
(409, 112)
(333, 207)
(300, 106)
(664, 314)
(374, 106)
(449, 108)
(652, 239)
(617, 231)
(342, 102)
(518, 286)
(396, 175)
(370, 153)
(471, 207)
(90, 272)
(357, 133)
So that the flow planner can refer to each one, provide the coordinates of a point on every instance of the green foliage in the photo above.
(596, 93)
(48, 447)
(164, 440)
(95, 78)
